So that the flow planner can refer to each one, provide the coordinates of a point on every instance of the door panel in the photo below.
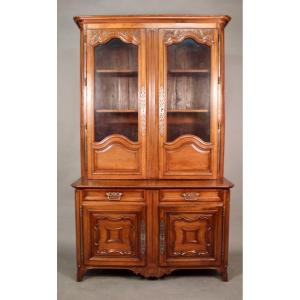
(116, 103)
(115, 235)
(188, 98)
(190, 235)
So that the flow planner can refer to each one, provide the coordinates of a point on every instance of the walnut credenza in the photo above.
(152, 197)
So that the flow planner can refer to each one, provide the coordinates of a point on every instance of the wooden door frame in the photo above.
(203, 36)
(93, 39)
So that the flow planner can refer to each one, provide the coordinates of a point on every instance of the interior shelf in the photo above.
(117, 71)
(188, 71)
(187, 110)
(116, 110)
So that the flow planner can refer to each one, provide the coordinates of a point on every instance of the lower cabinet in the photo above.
(152, 232)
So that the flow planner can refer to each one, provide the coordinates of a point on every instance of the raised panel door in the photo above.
(116, 103)
(114, 234)
(190, 234)
(188, 99)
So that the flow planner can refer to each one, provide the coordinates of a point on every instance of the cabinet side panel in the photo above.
(221, 104)
(78, 222)
(83, 102)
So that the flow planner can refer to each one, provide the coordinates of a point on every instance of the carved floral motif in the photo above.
(161, 110)
(190, 253)
(142, 97)
(204, 36)
(101, 36)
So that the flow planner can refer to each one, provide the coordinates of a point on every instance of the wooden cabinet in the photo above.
(152, 197)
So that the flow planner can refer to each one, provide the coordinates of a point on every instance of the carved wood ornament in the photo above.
(101, 36)
(203, 36)
(161, 97)
(142, 97)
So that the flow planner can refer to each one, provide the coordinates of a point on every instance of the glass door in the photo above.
(188, 103)
(117, 103)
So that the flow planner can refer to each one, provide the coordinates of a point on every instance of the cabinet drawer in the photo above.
(114, 195)
(190, 195)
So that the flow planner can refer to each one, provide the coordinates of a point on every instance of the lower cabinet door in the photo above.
(114, 234)
(190, 235)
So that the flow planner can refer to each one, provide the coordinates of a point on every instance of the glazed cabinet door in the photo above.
(188, 103)
(190, 234)
(114, 234)
(116, 103)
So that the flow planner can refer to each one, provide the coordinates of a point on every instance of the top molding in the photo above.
(219, 19)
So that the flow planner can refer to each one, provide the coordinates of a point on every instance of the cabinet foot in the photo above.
(224, 275)
(80, 274)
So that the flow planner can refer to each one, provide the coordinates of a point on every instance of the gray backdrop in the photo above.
(123, 285)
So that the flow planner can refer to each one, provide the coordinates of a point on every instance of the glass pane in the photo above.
(188, 93)
(116, 90)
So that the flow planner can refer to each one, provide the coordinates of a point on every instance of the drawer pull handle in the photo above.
(114, 195)
(190, 196)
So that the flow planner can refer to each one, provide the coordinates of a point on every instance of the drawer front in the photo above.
(114, 195)
(190, 195)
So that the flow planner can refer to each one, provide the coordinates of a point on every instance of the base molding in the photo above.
(152, 272)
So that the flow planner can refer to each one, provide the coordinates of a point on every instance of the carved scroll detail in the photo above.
(101, 36)
(162, 110)
(151, 272)
(114, 251)
(190, 252)
(204, 36)
(142, 97)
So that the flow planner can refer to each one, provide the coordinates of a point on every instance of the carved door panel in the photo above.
(116, 103)
(190, 235)
(188, 103)
(114, 235)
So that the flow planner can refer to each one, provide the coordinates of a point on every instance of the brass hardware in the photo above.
(162, 237)
(190, 196)
(143, 237)
(114, 195)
